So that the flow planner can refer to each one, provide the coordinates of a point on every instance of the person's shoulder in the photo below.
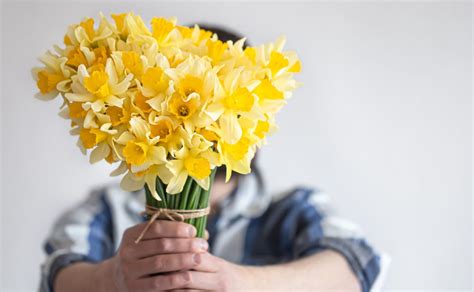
(303, 196)
(294, 201)
(290, 198)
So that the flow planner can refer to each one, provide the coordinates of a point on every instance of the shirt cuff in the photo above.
(55, 263)
(364, 262)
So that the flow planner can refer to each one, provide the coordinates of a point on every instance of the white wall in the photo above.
(383, 123)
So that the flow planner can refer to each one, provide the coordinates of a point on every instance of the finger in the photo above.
(209, 263)
(206, 235)
(205, 281)
(189, 290)
(162, 282)
(158, 246)
(160, 229)
(164, 263)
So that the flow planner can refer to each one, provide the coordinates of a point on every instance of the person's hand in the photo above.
(162, 260)
(216, 274)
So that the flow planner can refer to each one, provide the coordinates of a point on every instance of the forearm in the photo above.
(326, 270)
(85, 277)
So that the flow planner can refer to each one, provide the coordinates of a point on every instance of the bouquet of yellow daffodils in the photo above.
(167, 104)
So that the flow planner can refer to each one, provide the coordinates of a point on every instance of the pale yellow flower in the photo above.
(234, 100)
(53, 78)
(190, 160)
(166, 101)
(140, 152)
(99, 89)
(85, 33)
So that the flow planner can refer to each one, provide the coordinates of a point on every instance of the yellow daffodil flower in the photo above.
(155, 81)
(101, 88)
(131, 61)
(86, 34)
(141, 153)
(161, 28)
(190, 160)
(237, 156)
(99, 139)
(167, 101)
(52, 79)
(140, 149)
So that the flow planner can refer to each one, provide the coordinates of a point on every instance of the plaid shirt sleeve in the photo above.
(83, 234)
(306, 226)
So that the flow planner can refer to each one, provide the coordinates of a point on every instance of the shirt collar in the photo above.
(248, 201)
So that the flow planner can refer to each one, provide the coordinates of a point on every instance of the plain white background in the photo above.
(382, 123)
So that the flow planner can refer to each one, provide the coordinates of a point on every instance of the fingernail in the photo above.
(203, 245)
(186, 276)
(192, 231)
(197, 258)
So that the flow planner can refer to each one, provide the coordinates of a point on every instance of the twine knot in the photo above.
(169, 214)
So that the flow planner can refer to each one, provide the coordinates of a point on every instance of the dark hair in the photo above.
(225, 35)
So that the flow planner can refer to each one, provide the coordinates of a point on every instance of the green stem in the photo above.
(192, 197)
(193, 192)
(204, 203)
(183, 197)
(149, 198)
(161, 192)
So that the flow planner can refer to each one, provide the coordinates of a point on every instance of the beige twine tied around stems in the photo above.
(169, 214)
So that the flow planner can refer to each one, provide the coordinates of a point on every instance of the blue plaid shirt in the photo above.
(250, 227)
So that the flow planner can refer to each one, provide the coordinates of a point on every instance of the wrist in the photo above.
(245, 278)
(104, 276)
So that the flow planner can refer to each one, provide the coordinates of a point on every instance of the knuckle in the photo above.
(129, 231)
(126, 233)
(175, 281)
(187, 278)
(158, 263)
(124, 252)
(164, 245)
(183, 229)
(157, 227)
(183, 279)
(157, 283)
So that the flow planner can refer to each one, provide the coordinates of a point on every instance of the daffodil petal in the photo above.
(73, 97)
(121, 169)
(89, 120)
(176, 184)
(97, 105)
(111, 72)
(47, 96)
(121, 87)
(131, 183)
(139, 127)
(99, 153)
(164, 173)
(215, 110)
(124, 138)
(115, 101)
(157, 154)
(150, 180)
(204, 183)
(231, 130)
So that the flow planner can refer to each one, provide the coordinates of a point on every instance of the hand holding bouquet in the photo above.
(167, 104)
